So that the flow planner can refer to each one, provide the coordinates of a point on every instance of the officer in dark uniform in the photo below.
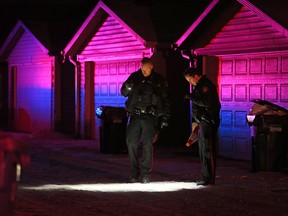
(205, 112)
(148, 106)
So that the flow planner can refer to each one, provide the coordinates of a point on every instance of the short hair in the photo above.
(191, 71)
(146, 60)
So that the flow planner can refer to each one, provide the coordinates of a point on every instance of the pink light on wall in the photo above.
(34, 97)
(31, 71)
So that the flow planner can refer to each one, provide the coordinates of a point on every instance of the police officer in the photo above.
(148, 106)
(205, 112)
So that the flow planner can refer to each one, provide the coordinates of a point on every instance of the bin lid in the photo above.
(263, 107)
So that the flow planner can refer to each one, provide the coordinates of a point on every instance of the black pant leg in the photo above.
(207, 151)
(133, 135)
(148, 134)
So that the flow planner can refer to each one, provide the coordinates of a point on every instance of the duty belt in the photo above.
(140, 112)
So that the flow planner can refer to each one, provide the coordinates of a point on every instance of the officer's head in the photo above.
(146, 66)
(192, 75)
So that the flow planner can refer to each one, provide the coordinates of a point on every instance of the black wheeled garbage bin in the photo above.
(269, 131)
(112, 129)
(13, 155)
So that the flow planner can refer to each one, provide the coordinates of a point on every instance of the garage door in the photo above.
(109, 77)
(244, 78)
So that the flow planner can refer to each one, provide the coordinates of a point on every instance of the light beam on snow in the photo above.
(122, 187)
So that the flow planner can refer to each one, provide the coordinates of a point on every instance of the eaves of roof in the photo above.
(54, 34)
(275, 9)
(159, 20)
(135, 18)
(172, 18)
(274, 12)
(211, 24)
(134, 15)
(52, 23)
(14, 37)
(151, 23)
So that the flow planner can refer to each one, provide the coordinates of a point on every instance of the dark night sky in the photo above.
(75, 11)
(41, 10)
(71, 12)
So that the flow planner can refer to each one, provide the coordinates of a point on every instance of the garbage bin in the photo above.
(13, 155)
(112, 129)
(269, 126)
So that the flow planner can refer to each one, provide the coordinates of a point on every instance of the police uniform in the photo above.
(147, 104)
(205, 111)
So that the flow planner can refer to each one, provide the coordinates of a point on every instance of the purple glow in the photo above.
(252, 64)
(33, 96)
(30, 81)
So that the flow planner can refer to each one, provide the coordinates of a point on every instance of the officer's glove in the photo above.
(129, 86)
(164, 123)
(196, 119)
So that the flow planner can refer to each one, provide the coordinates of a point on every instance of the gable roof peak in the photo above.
(14, 37)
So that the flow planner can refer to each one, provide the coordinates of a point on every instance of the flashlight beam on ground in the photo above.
(122, 187)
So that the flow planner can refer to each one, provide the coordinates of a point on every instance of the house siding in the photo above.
(246, 32)
(32, 99)
(252, 64)
(112, 39)
(116, 53)
(28, 51)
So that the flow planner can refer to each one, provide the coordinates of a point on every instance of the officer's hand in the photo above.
(164, 123)
(129, 85)
(197, 119)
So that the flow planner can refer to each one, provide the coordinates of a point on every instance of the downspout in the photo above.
(77, 94)
(192, 57)
(52, 100)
